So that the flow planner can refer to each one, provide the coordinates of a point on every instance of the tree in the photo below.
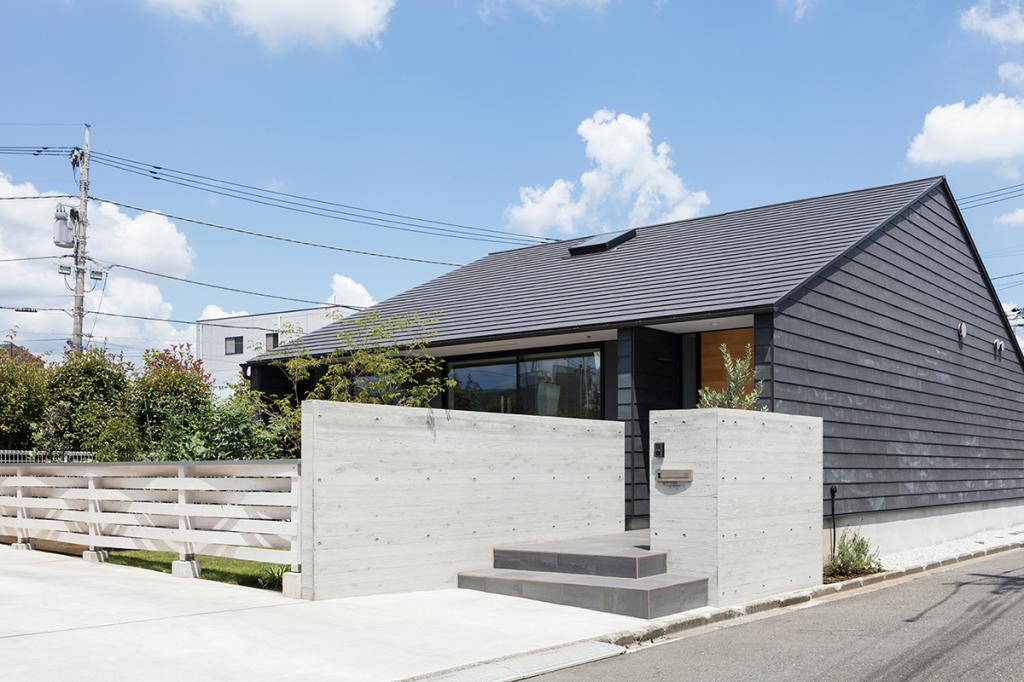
(22, 398)
(375, 365)
(88, 403)
(173, 401)
(238, 430)
(379, 360)
(741, 391)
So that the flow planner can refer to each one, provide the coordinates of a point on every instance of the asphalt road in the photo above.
(964, 622)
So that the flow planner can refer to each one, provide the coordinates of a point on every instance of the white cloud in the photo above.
(1011, 218)
(145, 241)
(798, 7)
(213, 312)
(281, 24)
(1012, 312)
(1005, 25)
(991, 129)
(540, 8)
(1012, 73)
(631, 181)
(347, 291)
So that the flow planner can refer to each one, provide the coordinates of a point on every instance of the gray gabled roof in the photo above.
(732, 262)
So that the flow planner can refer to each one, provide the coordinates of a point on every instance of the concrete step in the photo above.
(648, 597)
(623, 555)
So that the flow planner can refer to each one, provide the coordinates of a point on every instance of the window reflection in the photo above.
(484, 387)
(566, 384)
(561, 385)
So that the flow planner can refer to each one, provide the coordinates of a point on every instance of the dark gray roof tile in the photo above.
(746, 259)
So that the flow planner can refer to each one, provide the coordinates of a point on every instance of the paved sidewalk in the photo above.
(963, 622)
(64, 618)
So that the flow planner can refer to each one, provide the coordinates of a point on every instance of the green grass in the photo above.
(219, 569)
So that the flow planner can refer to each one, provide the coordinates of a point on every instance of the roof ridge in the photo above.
(931, 179)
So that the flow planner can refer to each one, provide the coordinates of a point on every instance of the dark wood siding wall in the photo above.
(914, 415)
(650, 378)
(763, 345)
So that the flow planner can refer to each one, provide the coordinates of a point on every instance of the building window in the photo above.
(483, 386)
(561, 385)
(233, 345)
(565, 384)
(272, 341)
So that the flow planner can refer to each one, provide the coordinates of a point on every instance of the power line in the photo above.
(235, 290)
(993, 201)
(35, 309)
(264, 235)
(991, 191)
(261, 196)
(168, 319)
(38, 196)
(156, 170)
(333, 214)
(25, 258)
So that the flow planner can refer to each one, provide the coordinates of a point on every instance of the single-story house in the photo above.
(870, 308)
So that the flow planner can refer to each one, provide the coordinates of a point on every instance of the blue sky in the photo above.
(447, 109)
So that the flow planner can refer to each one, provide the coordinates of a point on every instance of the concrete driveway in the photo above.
(63, 618)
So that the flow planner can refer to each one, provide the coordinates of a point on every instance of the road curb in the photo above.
(671, 625)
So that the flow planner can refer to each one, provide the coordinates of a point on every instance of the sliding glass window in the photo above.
(565, 384)
(483, 386)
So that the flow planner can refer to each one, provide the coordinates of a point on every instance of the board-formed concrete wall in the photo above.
(750, 519)
(398, 499)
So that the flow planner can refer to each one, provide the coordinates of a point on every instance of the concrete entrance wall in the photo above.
(750, 518)
(401, 499)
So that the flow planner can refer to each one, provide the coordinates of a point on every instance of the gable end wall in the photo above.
(913, 416)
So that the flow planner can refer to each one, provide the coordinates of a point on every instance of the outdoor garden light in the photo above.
(961, 330)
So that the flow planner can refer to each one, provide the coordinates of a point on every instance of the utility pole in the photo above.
(82, 160)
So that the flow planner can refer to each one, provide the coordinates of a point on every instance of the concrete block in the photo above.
(824, 590)
(750, 518)
(761, 605)
(291, 585)
(96, 556)
(185, 569)
(649, 597)
(790, 600)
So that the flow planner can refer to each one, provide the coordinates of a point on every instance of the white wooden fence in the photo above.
(246, 510)
(30, 456)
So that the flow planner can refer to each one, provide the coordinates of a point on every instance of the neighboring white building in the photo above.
(223, 350)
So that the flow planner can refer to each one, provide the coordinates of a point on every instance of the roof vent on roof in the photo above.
(601, 242)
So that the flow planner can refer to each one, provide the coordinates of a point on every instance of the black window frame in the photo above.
(518, 354)
(276, 336)
(238, 345)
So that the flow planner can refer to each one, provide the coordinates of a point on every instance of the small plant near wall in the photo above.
(853, 557)
(741, 391)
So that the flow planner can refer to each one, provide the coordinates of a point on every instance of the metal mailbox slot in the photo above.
(675, 476)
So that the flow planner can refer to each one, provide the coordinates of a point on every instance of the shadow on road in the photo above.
(926, 656)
